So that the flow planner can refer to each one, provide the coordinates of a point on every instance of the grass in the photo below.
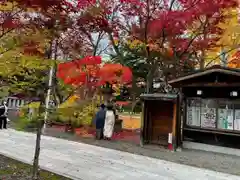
(14, 170)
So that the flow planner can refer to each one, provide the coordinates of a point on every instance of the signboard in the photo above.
(208, 117)
(237, 120)
(170, 138)
(193, 116)
(225, 119)
(193, 113)
(189, 115)
(210, 113)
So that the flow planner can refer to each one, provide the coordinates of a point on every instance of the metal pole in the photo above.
(48, 95)
(50, 83)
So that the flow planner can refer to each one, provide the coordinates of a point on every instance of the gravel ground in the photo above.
(213, 161)
(14, 170)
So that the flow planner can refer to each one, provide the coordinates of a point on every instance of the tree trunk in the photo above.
(134, 87)
(35, 171)
(100, 96)
(148, 90)
(202, 64)
(149, 81)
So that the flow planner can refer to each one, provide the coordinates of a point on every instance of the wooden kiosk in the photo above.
(159, 121)
(211, 106)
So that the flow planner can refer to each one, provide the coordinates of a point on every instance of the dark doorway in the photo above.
(161, 121)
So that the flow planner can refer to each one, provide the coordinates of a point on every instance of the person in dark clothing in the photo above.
(99, 121)
(3, 116)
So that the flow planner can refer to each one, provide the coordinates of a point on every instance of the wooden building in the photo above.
(159, 121)
(210, 102)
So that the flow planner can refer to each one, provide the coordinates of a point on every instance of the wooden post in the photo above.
(142, 126)
(174, 126)
(180, 120)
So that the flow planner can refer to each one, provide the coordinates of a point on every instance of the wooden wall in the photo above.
(159, 122)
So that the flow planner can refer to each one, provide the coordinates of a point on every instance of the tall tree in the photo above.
(29, 16)
(24, 70)
(170, 33)
(228, 42)
(12, 24)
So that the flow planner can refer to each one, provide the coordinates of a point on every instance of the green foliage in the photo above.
(62, 91)
(29, 121)
(4, 91)
(9, 42)
(24, 74)
(25, 124)
(16, 40)
(34, 107)
(77, 114)
(134, 60)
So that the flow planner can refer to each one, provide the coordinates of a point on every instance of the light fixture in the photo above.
(199, 92)
(156, 85)
(234, 93)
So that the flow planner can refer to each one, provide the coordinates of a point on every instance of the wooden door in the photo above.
(161, 122)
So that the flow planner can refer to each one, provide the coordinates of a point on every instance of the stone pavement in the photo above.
(87, 162)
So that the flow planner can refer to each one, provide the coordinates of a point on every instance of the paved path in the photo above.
(87, 162)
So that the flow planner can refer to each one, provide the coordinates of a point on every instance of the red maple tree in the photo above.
(79, 72)
(173, 33)
(90, 73)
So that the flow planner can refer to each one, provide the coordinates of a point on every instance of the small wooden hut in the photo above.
(159, 121)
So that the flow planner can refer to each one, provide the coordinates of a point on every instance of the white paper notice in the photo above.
(208, 117)
(189, 115)
(237, 120)
(225, 119)
(193, 116)
(230, 119)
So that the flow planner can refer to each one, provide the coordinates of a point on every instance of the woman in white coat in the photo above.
(109, 123)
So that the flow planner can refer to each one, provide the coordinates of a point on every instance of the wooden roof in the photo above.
(201, 73)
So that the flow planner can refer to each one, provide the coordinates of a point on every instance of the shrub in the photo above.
(26, 124)
(80, 114)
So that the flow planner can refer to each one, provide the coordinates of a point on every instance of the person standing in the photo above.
(3, 117)
(109, 123)
(99, 121)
